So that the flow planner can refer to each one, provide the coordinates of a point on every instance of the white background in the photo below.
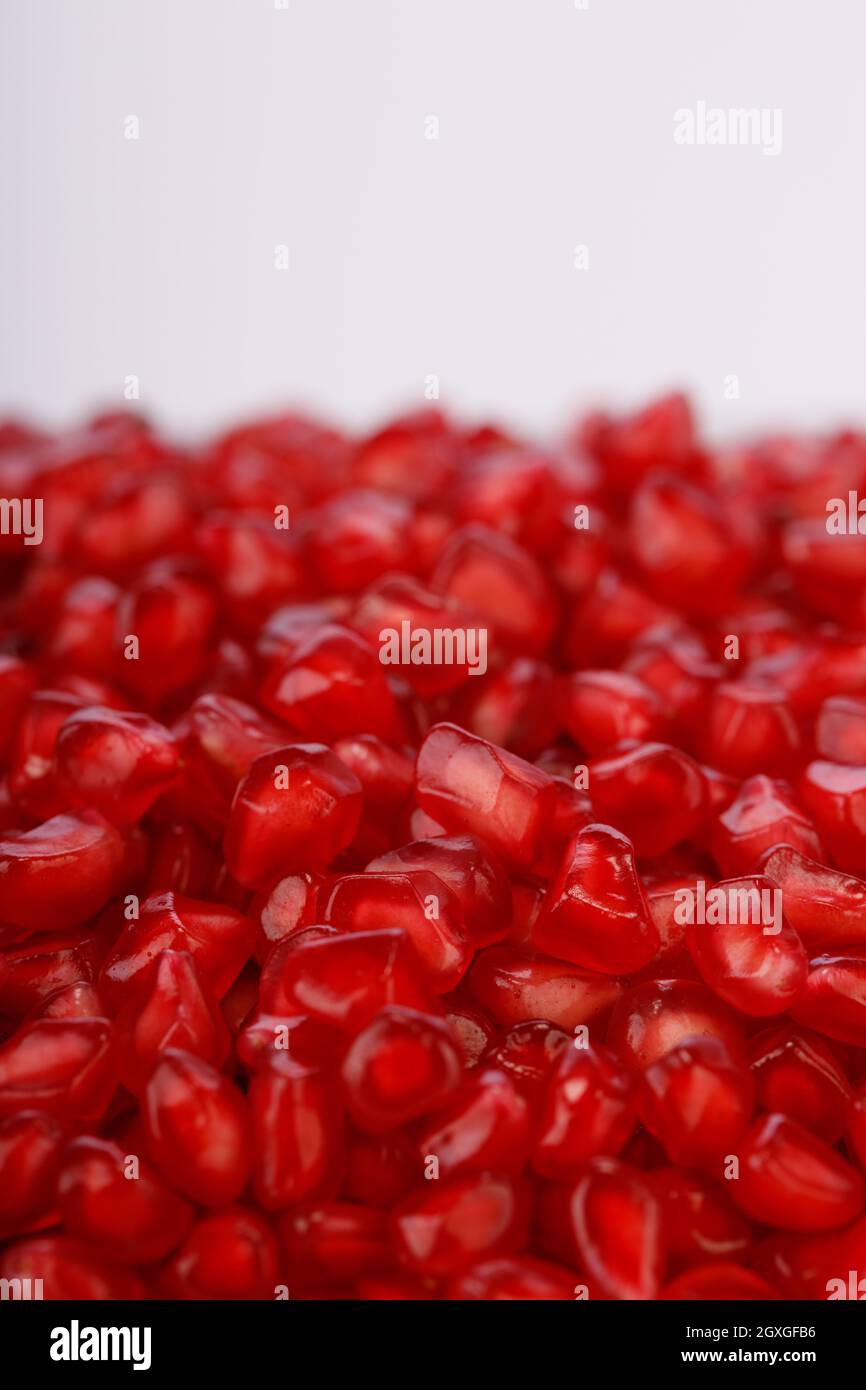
(409, 256)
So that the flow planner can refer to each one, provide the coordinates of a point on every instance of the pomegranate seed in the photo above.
(30, 1149)
(485, 1127)
(68, 1269)
(655, 1017)
(527, 1053)
(59, 874)
(587, 1110)
(455, 1224)
(791, 1179)
(762, 815)
(602, 708)
(836, 797)
(64, 1067)
(511, 1280)
(857, 1123)
(655, 792)
(295, 809)
(700, 1222)
(118, 1204)
(335, 1242)
(719, 1281)
(697, 1101)
(797, 1075)
(754, 961)
(514, 987)
(750, 729)
(833, 1001)
(297, 1132)
(197, 1129)
(472, 874)
(398, 1068)
(596, 913)
(228, 1254)
(474, 788)
(616, 1220)
(173, 1010)
(825, 907)
(840, 729)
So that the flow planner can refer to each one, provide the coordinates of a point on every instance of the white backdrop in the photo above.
(307, 127)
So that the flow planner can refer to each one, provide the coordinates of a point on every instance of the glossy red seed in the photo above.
(836, 796)
(654, 792)
(791, 1179)
(697, 1102)
(700, 1222)
(174, 1009)
(418, 902)
(401, 1066)
(596, 914)
(344, 980)
(833, 1001)
(472, 873)
(115, 762)
(333, 684)
(65, 1067)
(514, 986)
(472, 787)
(751, 957)
(197, 1129)
(334, 1242)
(68, 1269)
(527, 1053)
(654, 1017)
(228, 1254)
(825, 906)
(218, 937)
(856, 1120)
(587, 1109)
(59, 874)
(500, 581)
(30, 1149)
(294, 811)
(797, 1075)
(297, 1132)
(118, 1204)
(380, 1168)
(616, 1220)
(750, 729)
(450, 1226)
(762, 815)
(289, 907)
(840, 729)
(485, 1127)
(602, 708)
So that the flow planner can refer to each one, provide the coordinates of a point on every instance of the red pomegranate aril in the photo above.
(345, 979)
(503, 583)
(750, 728)
(791, 1179)
(616, 1221)
(171, 616)
(118, 1204)
(527, 1054)
(752, 958)
(198, 1131)
(452, 1225)
(511, 707)
(419, 903)
(297, 1132)
(472, 787)
(115, 762)
(398, 605)
(218, 937)
(833, 1001)
(700, 1222)
(17, 680)
(334, 1242)
(174, 1009)
(825, 906)
(469, 870)
(517, 1279)
(401, 1066)
(473, 1031)
(65, 1067)
(602, 708)
(32, 778)
(332, 685)
(596, 914)
(228, 1254)
(762, 815)
(68, 1270)
(290, 906)
(33, 970)
(30, 1148)
(717, 1282)
(587, 1109)
(797, 1075)
(485, 1127)
(835, 794)
(266, 1038)
(59, 874)
(840, 730)
(514, 987)
(230, 735)
(293, 812)
(654, 792)
(655, 1017)
(696, 1101)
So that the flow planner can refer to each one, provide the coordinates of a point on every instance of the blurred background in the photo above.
(228, 205)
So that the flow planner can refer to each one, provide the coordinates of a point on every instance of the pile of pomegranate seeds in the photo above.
(429, 865)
